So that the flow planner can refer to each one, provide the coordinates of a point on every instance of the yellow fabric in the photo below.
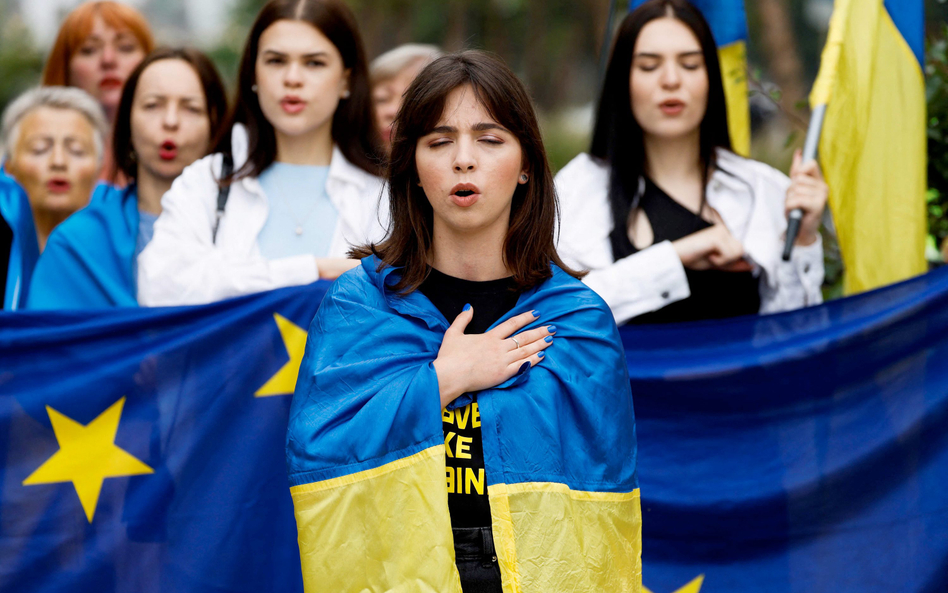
(389, 527)
(733, 59)
(551, 538)
(873, 146)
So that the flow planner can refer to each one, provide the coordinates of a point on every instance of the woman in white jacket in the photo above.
(301, 184)
(672, 225)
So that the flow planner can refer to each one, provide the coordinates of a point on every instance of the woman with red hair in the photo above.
(97, 47)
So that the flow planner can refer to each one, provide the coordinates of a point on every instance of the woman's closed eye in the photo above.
(38, 147)
(491, 140)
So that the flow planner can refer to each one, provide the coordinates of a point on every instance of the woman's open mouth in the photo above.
(168, 151)
(465, 194)
(672, 107)
(58, 185)
(292, 105)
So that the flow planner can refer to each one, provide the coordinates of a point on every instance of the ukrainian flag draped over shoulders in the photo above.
(366, 448)
(873, 145)
(728, 23)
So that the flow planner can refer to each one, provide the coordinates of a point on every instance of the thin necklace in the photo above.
(291, 210)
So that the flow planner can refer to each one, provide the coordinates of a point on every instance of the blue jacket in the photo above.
(88, 262)
(15, 210)
(366, 450)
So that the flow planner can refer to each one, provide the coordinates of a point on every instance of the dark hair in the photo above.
(617, 136)
(214, 96)
(353, 123)
(529, 245)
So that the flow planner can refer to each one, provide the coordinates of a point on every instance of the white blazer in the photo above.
(748, 195)
(182, 265)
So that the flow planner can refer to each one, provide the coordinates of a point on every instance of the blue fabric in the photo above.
(298, 199)
(726, 17)
(15, 209)
(215, 516)
(89, 258)
(794, 453)
(146, 230)
(909, 19)
(368, 393)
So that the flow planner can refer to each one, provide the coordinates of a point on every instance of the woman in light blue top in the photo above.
(306, 157)
(171, 109)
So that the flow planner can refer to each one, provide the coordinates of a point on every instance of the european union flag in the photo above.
(143, 450)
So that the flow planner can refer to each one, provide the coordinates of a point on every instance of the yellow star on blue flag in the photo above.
(87, 455)
(294, 340)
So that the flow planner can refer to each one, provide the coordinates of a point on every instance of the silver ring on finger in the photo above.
(515, 341)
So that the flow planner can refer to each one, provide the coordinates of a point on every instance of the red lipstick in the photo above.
(168, 150)
(58, 185)
(110, 83)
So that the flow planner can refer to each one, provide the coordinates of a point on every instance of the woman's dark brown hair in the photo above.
(529, 245)
(617, 136)
(353, 123)
(215, 97)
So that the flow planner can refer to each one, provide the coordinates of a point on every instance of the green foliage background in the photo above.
(936, 70)
(554, 45)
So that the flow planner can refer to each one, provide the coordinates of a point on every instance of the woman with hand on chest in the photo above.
(672, 225)
(462, 419)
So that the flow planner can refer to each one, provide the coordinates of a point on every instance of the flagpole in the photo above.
(810, 147)
(606, 41)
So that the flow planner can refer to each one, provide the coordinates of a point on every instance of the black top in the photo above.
(715, 294)
(467, 486)
(6, 243)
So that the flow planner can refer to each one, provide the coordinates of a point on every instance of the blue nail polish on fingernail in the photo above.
(540, 354)
(536, 313)
(467, 307)
(551, 329)
(548, 338)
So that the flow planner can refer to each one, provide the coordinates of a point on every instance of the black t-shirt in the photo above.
(715, 294)
(6, 244)
(464, 471)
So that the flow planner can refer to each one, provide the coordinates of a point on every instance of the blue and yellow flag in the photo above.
(873, 146)
(366, 449)
(142, 451)
(729, 26)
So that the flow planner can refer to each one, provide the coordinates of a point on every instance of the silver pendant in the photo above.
(299, 230)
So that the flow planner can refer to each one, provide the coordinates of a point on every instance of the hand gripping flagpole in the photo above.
(809, 153)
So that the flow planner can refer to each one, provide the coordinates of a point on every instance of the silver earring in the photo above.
(523, 178)
(253, 87)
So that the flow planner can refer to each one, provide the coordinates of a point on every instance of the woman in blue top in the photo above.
(170, 112)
